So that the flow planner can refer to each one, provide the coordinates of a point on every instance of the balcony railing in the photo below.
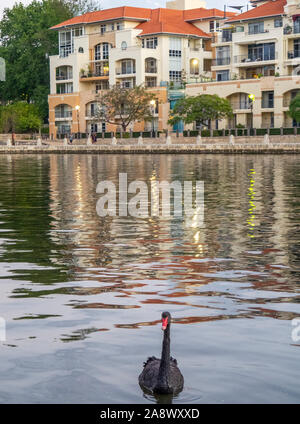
(150, 70)
(221, 61)
(267, 104)
(127, 71)
(243, 104)
(66, 114)
(255, 58)
(291, 30)
(94, 74)
(258, 31)
(62, 77)
(293, 54)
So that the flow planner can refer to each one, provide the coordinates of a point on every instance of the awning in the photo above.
(295, 17)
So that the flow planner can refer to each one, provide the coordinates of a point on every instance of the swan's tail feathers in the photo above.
(173, 360)
(150, 359)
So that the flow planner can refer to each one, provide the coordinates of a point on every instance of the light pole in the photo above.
(152, 103)
(77, 107)
(251, 98)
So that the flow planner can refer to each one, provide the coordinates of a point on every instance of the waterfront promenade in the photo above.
(173, 144)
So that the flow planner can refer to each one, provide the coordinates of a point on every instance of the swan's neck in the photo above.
(164, 368)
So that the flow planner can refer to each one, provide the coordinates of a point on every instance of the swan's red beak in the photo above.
(164, 323)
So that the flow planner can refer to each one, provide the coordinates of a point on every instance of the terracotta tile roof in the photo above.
(157, 20)
(201, 13)
(169, 21)
(137, 13)
(272, 8)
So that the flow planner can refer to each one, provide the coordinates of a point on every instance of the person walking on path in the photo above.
(13, 138)
(71, 138)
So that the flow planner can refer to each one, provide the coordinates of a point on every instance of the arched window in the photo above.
(63, 111)
(80, 50)
(64, 73)
(124, 45)
(150, 65)
(101, 51)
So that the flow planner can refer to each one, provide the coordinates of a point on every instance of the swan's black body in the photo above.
(162, 376)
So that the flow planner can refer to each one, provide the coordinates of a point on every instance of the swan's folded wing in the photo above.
(149, 360)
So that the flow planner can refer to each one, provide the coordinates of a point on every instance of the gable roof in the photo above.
(272, 8)
(170, 21)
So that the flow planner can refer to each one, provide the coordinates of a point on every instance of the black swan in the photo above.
(162, 376)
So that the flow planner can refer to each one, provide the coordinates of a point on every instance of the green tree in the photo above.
(121, 106)
(202, 108)
(26, 41)
(294, 109)
(20, 117)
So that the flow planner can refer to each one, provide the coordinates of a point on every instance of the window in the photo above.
(258, 52)
(175, 75)
(149, 43)
(223, 75)
(66, 44)
(127, 66)
(103, 85)
(175, 53)
(127, 83)
(120, 26)
(77, 32)
(102, 28)
(278, 22)
(64, 88)
(98, 52)
(150, 65)
(105, 51)
(80, 50)
(124, 45)
(239, 28)
(296, 52)
(101, 51)
(267, 100)
(64, 73)
(112, 26)
(214, 26)
(223, 55)
(150, 82)
(256, 28)
(175, 47)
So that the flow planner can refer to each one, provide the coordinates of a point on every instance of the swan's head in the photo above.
(165, 320)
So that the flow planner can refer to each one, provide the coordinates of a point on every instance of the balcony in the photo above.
(246, 59)
(293, 54)
(63, 77)
(151, 70)
(125, 71)
(94, 75)
(63, 115)
(243, 105)
(287, 30)
(221, 61)
(267, 104)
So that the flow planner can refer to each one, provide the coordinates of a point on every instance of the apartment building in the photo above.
(183, 49)
(128, 46)
(257, 53)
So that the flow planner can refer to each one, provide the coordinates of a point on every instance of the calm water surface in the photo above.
(82, 295)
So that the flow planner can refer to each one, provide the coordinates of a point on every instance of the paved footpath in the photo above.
(152, 148)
